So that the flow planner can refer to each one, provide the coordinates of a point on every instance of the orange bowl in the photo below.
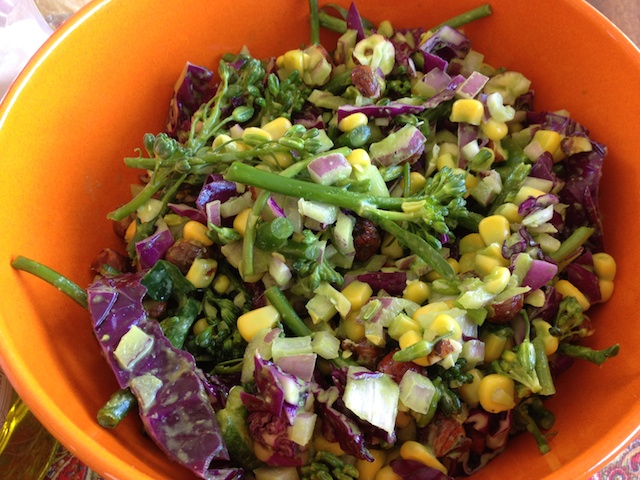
(105, 78)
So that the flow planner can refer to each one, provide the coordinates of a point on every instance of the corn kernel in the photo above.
(220, 140)
(353, 121)
(221, 284)
(277, 127)
(526, 192)
(197, 232)
(277, 160)
(130, 232)
(467, 262)
(359, 158)
(321, 443)
(411, 337)
(446, 160)
(568, 289)
(429, 309)
(469, 391)
(494, 130)
(496, 393)
(604, 266)
(488, 258)
(418, 452)
(391, 247)
(494, 345)
(542, 330)
(385, 29)
(353, 330)
(367, 469)
(255, 320)
(201, 272)
(256, 131)
(240, 222)
(357, 293)
(536, 298)
(434, 275)
(606, 289)
(549, 140)
(200, 326)
(467, 110)
(471, 243)
(494, 229)
(444, 324)
(387, 473)
(510, 212)
(470, 181)
(293, 60)
(416, 181)
(497, 280)
(417, 291)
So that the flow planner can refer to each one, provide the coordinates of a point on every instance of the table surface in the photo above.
(626, 15)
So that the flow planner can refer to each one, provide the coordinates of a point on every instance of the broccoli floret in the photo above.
(531, 415)
(570, 320)
(327, 466)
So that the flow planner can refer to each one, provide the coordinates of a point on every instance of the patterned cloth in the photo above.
(626, 466)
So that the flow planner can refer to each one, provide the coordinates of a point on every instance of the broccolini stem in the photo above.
(572, 244)
(542, 368)
(466, 17)
(52, 277)
(116, 408)
(289, 315)
(586, 353)
(314, 21)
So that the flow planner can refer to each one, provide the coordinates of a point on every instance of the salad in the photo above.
(370, 260)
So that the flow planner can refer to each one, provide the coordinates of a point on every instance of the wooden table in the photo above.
(625, 14)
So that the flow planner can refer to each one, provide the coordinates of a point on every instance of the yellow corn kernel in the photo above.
(549, 140)
(433, 275)
(409, 338)
(201, 272)
(220, 140)
(240, 222)
(417, 291)
(353, 330)
(526, 192)
(130, 231)
(496, 393)
(391, 247)
(467, 262)
(413, 450)
(568, 289)
(403, 419)
(368, 469)
(446, 160)
(542, 330)
(387, 473)
(359, 158)
(471, 243)
(510, 212)
(497, 280)
(321, 443)
(429, 309)
(469, 391)
(494, 130)
(357, 293)
(416, 181)
(200, 326)
(277, 159)
(255, 320)
(256, 131)
(604, 266)
(537, 298)
(494, 345)
(467, 110)
(293, 60)
(353, 121)
(606, 289)
(489, 258)
(196, 232)
(444, 324)
(221, 284)
(277, 127)
(470, 181)
(494, 229)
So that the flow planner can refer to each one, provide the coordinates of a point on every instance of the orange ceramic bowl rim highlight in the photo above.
(105, 78)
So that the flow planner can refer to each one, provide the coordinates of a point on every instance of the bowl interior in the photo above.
(105, 78)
